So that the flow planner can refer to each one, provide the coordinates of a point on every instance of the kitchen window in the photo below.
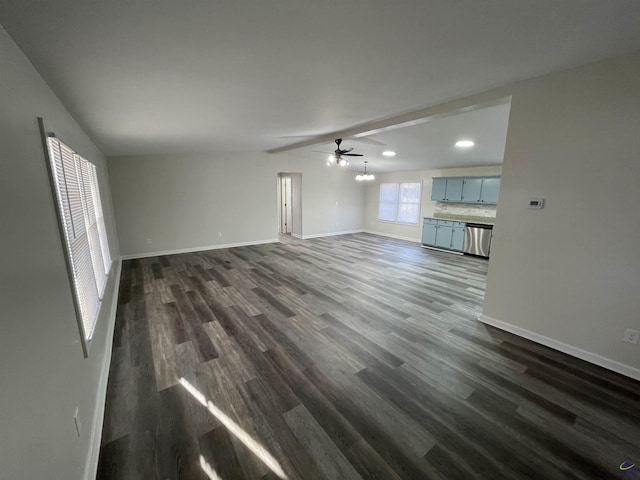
(77, 195)
(400, 202)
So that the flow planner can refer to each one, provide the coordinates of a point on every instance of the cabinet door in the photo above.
(490, 190)
(438, 189)
(429, 234)
(454, 190)
(457, 240)
(443, 237)
(471, 190)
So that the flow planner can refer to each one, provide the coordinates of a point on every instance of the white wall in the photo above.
(427, 207)
(296, 202)
(183, 201)
(571, 272)
(43, 374)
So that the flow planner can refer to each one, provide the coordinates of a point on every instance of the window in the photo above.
(400, 202)
(82, 223)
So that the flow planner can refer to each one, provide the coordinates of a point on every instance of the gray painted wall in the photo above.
(43, 374)
(571, 271)
(183, 201)
(296, 187)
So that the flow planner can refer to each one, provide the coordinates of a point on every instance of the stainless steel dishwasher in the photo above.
(477, 239)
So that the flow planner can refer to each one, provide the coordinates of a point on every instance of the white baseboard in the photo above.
(330, 234)
(91, 466)
(398, 237)
(296, 235)
(196, 249)
(590, 357)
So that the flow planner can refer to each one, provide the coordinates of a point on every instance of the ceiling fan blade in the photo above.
(320, 151)
(352, 155)
(346, 150)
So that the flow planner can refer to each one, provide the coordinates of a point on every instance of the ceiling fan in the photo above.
(337, 156)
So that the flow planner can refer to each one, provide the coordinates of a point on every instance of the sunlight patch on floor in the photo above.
(257, 449)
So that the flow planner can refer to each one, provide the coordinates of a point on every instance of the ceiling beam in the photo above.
(497, 96)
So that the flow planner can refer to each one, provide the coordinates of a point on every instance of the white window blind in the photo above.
(400, 202)
(78, 199)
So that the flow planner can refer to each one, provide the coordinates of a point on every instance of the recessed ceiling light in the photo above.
(465, 143)
(389, 153)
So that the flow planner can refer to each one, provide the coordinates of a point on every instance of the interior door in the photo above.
(285, 208)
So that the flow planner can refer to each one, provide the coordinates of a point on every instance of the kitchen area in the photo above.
(464, 215)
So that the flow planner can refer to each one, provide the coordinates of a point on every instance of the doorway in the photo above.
(290, 204)
(285, 204)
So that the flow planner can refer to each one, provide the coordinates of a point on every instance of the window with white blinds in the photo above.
(78, 199)
(400, 202)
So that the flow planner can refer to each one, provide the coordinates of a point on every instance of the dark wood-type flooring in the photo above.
(347, 357)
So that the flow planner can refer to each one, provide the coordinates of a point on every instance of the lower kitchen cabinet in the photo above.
(429, 231)
(443, 237)
(443, 234)
(457, 239)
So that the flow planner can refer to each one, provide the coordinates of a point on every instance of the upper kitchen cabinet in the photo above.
(439, 189)
(466, 189)
(472, 189)
(447, 189)
(490, 190)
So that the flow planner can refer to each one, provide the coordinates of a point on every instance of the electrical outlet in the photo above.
(148, 241)
(219, 234)
(76, 420)
(631, 336)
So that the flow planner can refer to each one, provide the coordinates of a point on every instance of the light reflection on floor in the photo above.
(257, 449)
(208, 469)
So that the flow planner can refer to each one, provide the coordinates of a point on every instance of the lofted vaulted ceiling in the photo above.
(167, 76)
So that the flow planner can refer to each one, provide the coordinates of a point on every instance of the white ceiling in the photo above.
(429, 145)
(166, 76)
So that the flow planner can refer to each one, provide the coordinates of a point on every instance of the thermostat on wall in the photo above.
(535, 203)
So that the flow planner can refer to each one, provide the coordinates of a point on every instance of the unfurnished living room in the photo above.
(315, 239)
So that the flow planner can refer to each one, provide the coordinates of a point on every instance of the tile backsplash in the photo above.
(465, 211)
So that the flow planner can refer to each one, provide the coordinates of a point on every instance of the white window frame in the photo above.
(74, 184)
(397, 203)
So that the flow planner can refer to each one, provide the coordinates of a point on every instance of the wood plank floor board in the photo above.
(453, 424)
(404, 464)
(343, 435)
(291, 457)
(348, 357)
(330, 461)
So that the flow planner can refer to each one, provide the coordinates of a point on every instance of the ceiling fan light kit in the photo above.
(365, 176)
(338, 155)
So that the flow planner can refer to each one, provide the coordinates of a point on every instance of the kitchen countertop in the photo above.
(464, 218)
